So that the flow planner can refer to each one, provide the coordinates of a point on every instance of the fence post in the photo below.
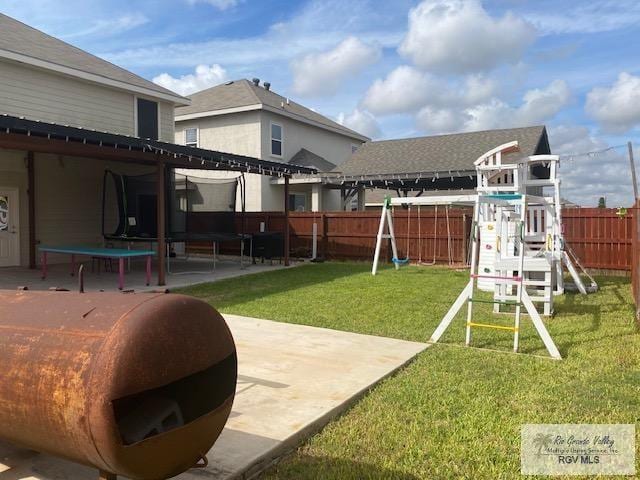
(465, 237)
(325, 236)
(635, 257)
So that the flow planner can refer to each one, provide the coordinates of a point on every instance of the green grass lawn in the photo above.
(454, 412)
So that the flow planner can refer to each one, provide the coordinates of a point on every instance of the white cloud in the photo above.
(219, 4)
(111, 27)
(441, 120)
(204, 77)
(315, 27)
(405, 89)
(617, 108)
(323, 73)
(460, 113)
(586, 17)
(459, 36)
(538, 106)
(586, 178)
(362, 122)
(478, 89)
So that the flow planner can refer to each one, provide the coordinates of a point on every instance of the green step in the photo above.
(494, 302)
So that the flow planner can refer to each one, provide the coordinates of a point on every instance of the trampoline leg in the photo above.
(148, 270)
(215, 246)
(43, 260)
(242, 254)
(120, 273)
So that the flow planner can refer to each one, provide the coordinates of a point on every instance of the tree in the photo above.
(602, 202)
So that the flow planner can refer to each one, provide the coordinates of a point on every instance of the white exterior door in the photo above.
(9, 228)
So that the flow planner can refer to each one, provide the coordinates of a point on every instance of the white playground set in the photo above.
(517, 248)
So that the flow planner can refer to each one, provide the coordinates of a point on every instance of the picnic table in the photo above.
(119, 254)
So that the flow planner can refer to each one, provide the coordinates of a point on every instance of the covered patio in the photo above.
(56, 173)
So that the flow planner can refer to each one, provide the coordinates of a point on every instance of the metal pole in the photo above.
(160, 192)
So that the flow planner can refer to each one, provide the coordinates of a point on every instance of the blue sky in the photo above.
(397, 69)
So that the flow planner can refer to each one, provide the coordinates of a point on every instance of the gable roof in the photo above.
(441, 153)
(306, 158)
(243, 95)
(22, 43)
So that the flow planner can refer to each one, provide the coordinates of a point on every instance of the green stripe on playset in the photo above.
(504, 196)
(494, 302)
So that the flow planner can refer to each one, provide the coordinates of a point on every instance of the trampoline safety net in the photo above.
(195, 206)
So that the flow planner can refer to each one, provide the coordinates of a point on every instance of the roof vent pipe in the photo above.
(256, 81)
(267, 85)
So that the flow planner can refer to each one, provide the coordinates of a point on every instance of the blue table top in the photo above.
(97, 252)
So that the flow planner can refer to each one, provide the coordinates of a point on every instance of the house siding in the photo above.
(37, 94)
(237, 133)
(331, 146)
(167, 125)
(249, 133)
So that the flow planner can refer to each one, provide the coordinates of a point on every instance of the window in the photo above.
(297, 202)
(147, 112)
(354, 148)
(276, 140)
(191, 137)
(4, 213)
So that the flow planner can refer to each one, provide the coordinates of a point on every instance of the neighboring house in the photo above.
(442, 163)
(245, 118)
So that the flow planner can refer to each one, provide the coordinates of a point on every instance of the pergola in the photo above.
(42, 137)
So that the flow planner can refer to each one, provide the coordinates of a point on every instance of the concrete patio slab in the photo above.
(293, 379)
(185, 272)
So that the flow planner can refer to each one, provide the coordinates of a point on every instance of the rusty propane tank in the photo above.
(138, 385)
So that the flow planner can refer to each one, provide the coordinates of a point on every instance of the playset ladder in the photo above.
(521, 299)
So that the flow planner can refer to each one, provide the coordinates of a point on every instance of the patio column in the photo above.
(316, 197)
(160, 193)
(286, 221)
(31, 194)
(361, 199)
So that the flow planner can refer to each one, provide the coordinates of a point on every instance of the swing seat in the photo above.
(400, 261)
(572, 287)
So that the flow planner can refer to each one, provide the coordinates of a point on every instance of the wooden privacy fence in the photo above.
(635, 258)
(599, 237)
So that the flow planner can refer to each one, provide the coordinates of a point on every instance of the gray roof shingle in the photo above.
(306, 158)
(242, 93)
(22, 39)
(440, 153)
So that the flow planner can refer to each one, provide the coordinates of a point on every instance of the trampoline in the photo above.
(198, 210)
